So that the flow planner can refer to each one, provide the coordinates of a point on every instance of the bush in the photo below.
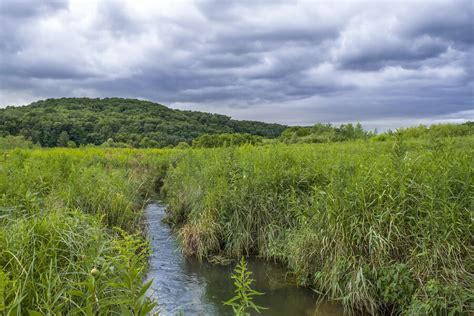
(182, 145)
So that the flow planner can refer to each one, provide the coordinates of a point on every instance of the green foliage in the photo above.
(380, 226)
(395, 283)
(436, 298)
(371, 224)
(63, 139)
(146, 142)
(182, 145)
(54, 122)
(226, 140)
(242, 302)
(12, 142)
(71, 144)
(71, 239)
(117, 283)
(111, 143)
(324, 133)
(382, 137)
(433, 131)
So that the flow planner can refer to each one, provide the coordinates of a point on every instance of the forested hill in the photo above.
(54, 122)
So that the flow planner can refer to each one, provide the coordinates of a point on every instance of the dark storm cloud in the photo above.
(452, 22)
(407, 54)
(293, 62)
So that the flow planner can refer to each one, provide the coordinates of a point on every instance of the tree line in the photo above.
(118, 122)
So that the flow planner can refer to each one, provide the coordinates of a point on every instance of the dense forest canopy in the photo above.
(80, 121)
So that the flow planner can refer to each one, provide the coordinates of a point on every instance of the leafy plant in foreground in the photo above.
(124, 292)
(243, 299)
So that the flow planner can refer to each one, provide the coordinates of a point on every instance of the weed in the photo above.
(242, 302)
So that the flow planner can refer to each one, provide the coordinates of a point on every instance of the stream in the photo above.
(184, 286)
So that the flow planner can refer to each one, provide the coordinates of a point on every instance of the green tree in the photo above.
(93, 121)
(63, 139)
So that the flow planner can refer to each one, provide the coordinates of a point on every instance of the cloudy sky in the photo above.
(383, 63)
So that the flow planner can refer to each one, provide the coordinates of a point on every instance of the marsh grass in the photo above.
(381, 227)
(71, 232)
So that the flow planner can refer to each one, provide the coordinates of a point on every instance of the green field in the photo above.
(379, 226)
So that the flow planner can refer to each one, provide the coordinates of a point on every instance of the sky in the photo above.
(385, 64)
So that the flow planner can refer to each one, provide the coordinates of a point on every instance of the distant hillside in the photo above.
(54, 122)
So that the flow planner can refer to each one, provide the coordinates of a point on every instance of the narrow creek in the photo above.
(184, 286)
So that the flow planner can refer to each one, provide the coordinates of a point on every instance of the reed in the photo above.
(71, 233)
(381, 227)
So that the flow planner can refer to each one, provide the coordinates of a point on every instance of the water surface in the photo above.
(183, 285)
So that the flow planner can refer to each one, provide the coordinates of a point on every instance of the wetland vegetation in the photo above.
(380, 224)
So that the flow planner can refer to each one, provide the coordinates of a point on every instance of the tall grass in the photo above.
(382, 227)
(71, 238)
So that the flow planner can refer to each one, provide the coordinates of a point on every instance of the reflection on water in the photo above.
(185, 285)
